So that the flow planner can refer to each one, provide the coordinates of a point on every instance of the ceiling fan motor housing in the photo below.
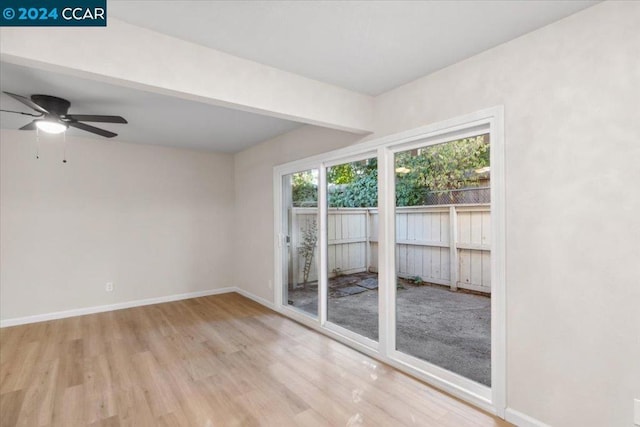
(53, 104)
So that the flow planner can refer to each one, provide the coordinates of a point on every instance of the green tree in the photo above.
(447, 166)
(341, 174)
(353, 185)
(436, 168)
(304, 189)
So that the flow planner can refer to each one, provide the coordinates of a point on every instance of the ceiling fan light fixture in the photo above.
(51, 126)
(54, 118)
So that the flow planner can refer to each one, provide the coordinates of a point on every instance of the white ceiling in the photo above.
(365, 46)
(153, 118)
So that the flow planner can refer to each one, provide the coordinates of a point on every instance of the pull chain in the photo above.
(37, 143)
(64, 135)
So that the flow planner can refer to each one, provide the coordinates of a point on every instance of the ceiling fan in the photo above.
(53, 117)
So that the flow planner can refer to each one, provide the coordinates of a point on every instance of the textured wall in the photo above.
(571, 93)
(155, 221)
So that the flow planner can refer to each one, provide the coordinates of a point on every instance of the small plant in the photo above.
(308, 247)
(417, 280)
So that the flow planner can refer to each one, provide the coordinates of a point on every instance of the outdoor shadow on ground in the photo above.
(449, 329)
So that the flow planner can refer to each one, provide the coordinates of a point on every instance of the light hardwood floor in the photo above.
(215, 361)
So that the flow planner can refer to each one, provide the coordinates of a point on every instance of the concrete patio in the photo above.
(449, 329)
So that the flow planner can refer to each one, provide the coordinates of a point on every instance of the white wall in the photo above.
(155, 221)
(253, 254)
(571, 93)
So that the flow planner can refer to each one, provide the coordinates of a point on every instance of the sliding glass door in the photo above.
(443, 255)
(300, 241)
(352, 246)
(397, 249)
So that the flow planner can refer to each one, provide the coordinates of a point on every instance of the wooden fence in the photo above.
(424, 248)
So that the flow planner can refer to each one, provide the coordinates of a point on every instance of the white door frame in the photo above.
(490, 120)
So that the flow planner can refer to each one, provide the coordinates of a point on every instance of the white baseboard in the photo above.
(256, 298)
(522, 420)
(118, 306)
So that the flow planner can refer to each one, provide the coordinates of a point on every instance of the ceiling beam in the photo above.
(131, 56)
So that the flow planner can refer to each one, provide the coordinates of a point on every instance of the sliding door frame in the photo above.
(341, 330)
(490, 120)
(443, 377)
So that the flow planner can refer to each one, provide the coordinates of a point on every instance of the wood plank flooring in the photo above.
(214, 361)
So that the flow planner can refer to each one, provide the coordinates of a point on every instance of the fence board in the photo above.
(423, 243)
(436, 263)
(445, 273)
(486, 269)
(486, 228)
(476, 268)
(464, 267)
(464, 227)
(434, 229)
(373, 228)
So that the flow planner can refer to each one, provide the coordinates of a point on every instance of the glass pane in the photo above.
(443, 256)
(352, 252)
(300, 222)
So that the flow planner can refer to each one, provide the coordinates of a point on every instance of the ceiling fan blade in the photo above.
(92, 129)
(29, 103)
(94, 118)
(29, 126)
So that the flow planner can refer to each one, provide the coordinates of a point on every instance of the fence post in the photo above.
(453, 250)
(295, 232)
(367, 245)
